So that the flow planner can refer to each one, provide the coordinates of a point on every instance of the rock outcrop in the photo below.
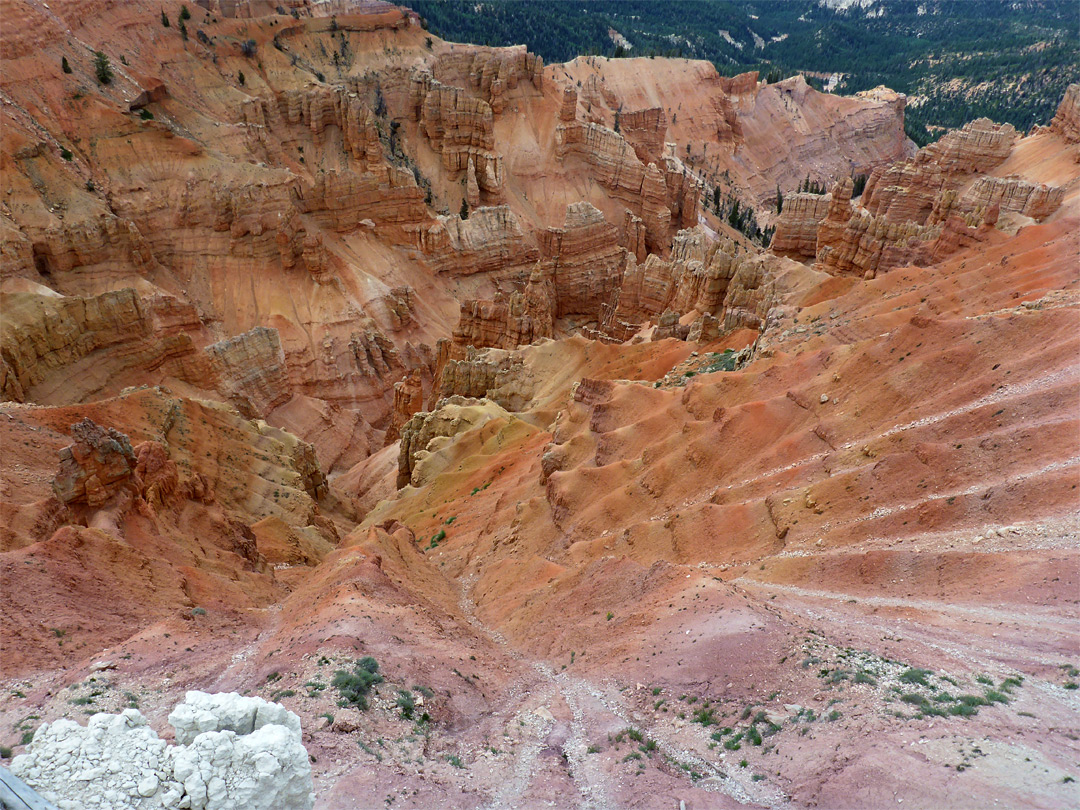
(249, 370)
(905, 192)
(427, 432)
(585, 259)
(1066, 122)
(797, 226)
(493, 73)
(697, 277)
(408, 399)
(460, 127)
(1010, 194)
(520, 318)
(98, 466)
(79, 346)
(646, 131)
(494, 374)
(231, 752)
(490, 241)
(651, 193)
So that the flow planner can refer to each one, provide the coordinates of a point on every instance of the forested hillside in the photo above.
(955, 59)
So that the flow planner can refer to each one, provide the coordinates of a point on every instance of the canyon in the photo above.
(325, 341)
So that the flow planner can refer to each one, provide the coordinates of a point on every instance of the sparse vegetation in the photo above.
(355, 686)
(406, 703)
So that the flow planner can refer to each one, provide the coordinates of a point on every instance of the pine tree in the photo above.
(64, 65)
(464, 214)
(184, 13)
(779, 200)
(240, 78)
(101, 68)
(164, 18)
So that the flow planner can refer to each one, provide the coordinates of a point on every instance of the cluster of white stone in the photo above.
(232, 753)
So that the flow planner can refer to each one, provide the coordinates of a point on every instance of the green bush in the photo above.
(916, 675)
(101, 68)
(66, 154)
(64, 64)
(354, 686)
(406, 703)
(705, 717)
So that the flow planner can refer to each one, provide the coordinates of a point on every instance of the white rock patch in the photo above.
(233, 753)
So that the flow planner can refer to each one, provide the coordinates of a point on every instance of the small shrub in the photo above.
(164, 19)
(455, 761)
(705, 717)
(833, 716)
(963, 710)
(354, 686)
(64, 65)
(241, 78)
(743, 763)
(145, 114)
(984, 680)
(611, 616)
(248, 48)
(757, 777)
(993, 696)
(864, 677)
(199, 611)
(972, 700)
(5, 752)
(1072, 685)
(406, 703)
(913, 698)
(66, 154)
(916, 676)
(592, 749)
(273, 676)
(753, 735)
(634, 734)
(184, 13)
(27, 738)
